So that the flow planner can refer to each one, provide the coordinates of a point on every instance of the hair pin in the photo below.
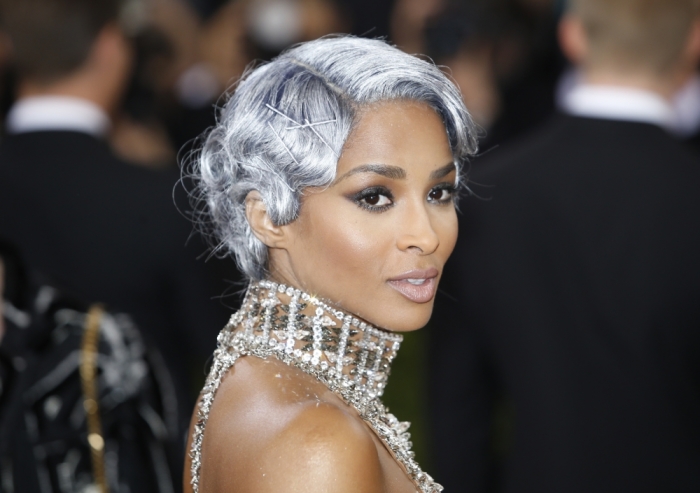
(297, 125)
(283, 115)
(282, 142)
(310, 125)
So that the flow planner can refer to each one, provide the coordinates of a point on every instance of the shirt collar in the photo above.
(687, 105)
(578, 98)
(51, 113)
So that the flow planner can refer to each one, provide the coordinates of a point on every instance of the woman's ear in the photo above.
(263, 228)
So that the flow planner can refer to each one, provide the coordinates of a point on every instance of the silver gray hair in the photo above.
(285, 126)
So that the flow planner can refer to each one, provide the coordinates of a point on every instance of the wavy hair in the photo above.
(285, 125)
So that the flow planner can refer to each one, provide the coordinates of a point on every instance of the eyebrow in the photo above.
(395, 172)
(443, 172)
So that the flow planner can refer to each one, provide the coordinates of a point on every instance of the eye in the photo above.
(375, 199)
(442, 194)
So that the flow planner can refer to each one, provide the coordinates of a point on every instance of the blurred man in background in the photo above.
(504, 56)
(46, 441)
(572, 297)
(99, 227)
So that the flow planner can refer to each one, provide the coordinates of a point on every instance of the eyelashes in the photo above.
(374, 199)
(443, 193)
(380, 199)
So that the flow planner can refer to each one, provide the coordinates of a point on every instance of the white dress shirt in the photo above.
(41, 113)
(617, 103)
(680, 115)
(687, 105)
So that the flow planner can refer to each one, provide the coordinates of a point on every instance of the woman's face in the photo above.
(375, 241)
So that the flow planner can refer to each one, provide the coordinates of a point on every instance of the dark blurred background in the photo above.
(502, 53)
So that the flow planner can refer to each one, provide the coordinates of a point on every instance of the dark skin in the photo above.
(273, 428)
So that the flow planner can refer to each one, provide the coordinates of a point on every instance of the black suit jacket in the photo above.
(571, 311)
(109, 231)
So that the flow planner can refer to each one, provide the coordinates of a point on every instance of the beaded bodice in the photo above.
(350, 357)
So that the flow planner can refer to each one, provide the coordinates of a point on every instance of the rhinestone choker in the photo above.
(352, 358)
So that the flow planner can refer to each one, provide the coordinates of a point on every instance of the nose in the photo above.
(416, 232)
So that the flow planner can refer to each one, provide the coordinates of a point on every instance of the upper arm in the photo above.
(322, 450)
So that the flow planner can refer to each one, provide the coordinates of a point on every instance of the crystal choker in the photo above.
(349, 356)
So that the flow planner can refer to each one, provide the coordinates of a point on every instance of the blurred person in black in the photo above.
(45, 442)
(96, 225)
(571, 305)
(505, 58)
(683, 122)
(6, 79)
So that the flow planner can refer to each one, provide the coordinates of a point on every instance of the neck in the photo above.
(350, 357)
(307, 332)
(666, 87)
(81, 86)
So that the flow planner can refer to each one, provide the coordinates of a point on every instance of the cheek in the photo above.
(345, 240)
(446, 227)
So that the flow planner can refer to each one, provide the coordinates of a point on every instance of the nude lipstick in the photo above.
(416, 285)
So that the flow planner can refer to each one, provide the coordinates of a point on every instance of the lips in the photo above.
(417, 285)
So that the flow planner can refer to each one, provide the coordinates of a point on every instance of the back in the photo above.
(578, 277)
(109, 231)
(78, 212)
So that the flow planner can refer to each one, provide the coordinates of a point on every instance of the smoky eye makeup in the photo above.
(373, 199)
(444, 193)
(380, 198)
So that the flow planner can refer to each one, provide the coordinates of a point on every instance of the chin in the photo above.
(405, 318)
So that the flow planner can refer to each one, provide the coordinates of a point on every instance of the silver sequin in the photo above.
(349, 356)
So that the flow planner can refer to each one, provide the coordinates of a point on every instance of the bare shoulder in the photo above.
(324, 449)
(273, 428)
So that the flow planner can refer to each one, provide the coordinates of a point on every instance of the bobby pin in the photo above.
(319, 135)
(306, 124)
(282, 142)
(309, 125)
(283, 115)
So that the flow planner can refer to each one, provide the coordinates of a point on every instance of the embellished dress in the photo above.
(348, 356)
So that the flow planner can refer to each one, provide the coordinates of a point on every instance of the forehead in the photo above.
(398, 133)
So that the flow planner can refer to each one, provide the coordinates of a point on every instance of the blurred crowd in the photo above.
(100, 105)
(186, 54)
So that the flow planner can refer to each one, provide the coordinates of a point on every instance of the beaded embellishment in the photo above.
(350, 357)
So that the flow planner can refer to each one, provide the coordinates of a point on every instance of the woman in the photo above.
(331, 177)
